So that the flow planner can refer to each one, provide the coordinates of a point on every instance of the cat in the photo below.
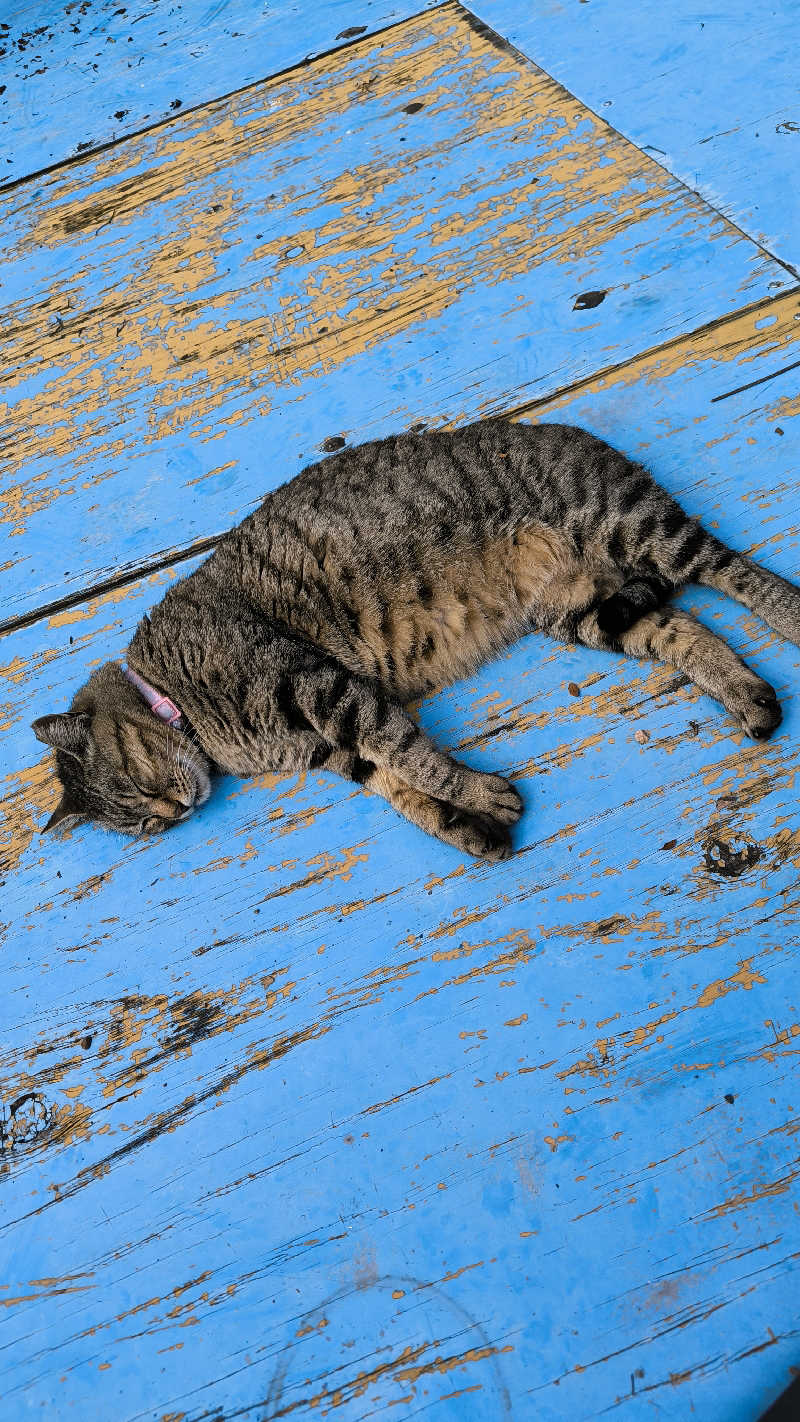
(375, 576)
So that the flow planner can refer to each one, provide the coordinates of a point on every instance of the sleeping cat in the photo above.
(375, 576)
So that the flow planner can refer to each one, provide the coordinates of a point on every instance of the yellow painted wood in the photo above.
(399, 232)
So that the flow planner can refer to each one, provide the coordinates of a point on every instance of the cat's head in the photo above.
(119, 766)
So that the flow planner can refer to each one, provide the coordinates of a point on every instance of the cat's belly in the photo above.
(426, 630)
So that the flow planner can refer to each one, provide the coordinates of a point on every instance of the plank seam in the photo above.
(492, 37)
(310, 59)
(108, 585)
(206, 545)
(751, 384)
(647, 354)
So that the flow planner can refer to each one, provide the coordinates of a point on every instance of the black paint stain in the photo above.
(729, 1097)
(730, 860)
(167, 1121)
(193, 1018)
(332, 443)
(351, 32)
(90, 216)
(610, 925)
(25, 1120)
(588, 299)
(498, 42)
(413, 108)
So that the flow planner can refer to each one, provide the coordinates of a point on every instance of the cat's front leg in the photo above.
(476, 834)
(354, 716)
(480, 835)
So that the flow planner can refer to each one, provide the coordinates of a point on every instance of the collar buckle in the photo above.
(161, 706)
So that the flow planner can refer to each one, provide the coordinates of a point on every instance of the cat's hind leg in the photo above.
(771, 597)
(670, 635)
(587, 598)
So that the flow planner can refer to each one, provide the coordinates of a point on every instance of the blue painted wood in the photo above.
(711, 92)
(189, 316)
(305, 1116)
(76, 76)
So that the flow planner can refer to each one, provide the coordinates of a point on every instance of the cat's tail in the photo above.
(771, 597)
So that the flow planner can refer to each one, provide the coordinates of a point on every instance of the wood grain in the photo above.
(327, 1122)
(406, 230)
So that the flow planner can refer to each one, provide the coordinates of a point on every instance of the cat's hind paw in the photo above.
(755, 705)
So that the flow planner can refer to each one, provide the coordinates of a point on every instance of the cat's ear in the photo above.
(66, 731)
(64, 810)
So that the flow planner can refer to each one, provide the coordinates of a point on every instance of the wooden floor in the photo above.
(300, 1114)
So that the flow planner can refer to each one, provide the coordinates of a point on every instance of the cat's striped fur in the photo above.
(385, 571)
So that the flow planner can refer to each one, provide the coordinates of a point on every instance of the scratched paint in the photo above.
(134, 67)
(510, 1141)
(342, 251)
(711, 94)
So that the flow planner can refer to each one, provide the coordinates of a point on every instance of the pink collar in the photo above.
(161, 706)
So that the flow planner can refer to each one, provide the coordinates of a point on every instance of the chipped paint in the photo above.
(307, 185)
(28, 797)
(260, 1069)
(736, 342)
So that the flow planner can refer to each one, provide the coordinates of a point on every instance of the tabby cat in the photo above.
(375, 576)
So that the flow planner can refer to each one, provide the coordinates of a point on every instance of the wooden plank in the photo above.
(77, 76)
(325, 1121)
(190, 315)
(711, 93)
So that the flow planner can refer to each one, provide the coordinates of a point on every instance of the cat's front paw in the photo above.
(478, 835)
(493, 795)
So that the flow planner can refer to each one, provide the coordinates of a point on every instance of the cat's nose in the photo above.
(183, 803)
(173, 810)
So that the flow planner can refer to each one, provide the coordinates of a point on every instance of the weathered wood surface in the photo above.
(400, 232)
(306, 1117)
(711, 92)
(79, 75)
